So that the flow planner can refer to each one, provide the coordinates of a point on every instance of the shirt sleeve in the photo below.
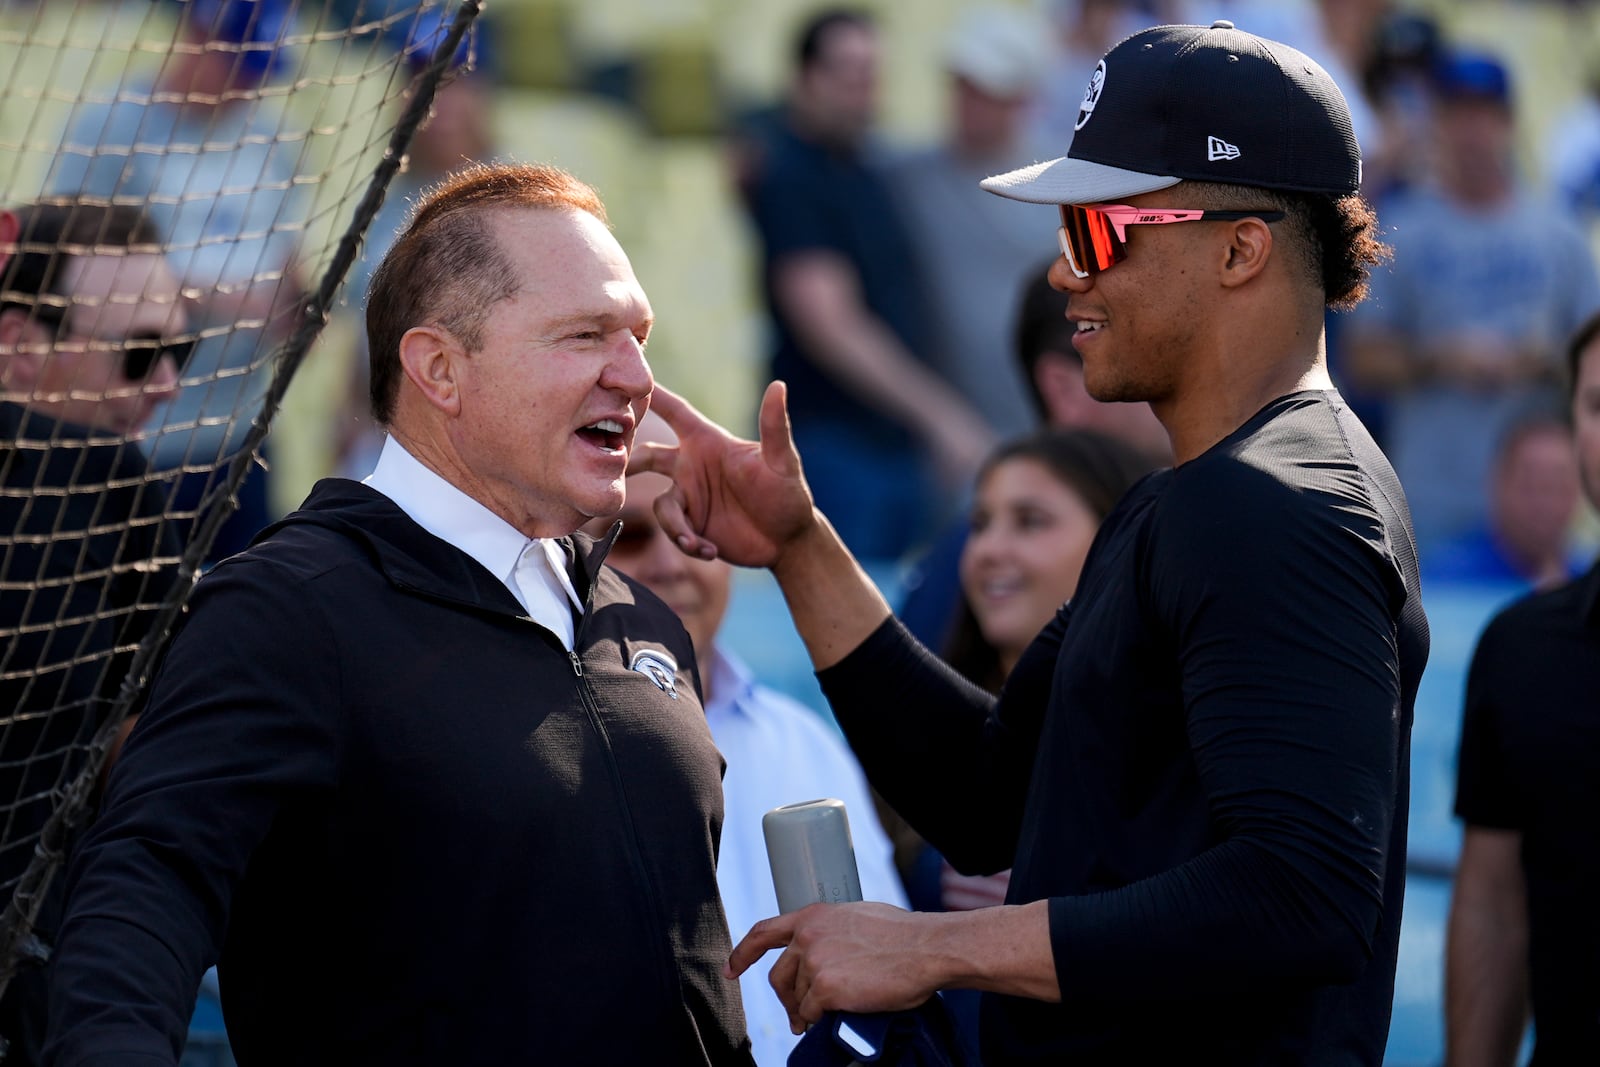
(1486, 793)
(98, 157)
(1283, 612)
(242, 719)
(951, 759)
(792, 215)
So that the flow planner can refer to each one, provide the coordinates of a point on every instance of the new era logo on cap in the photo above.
(1217, 148)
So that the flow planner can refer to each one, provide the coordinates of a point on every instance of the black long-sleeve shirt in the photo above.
(1202, 763)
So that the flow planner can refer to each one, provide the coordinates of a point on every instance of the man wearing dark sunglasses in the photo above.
(1199, 770)
(94, 340)
(90, 340)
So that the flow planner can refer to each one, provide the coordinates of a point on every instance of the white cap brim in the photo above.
(1074, 181)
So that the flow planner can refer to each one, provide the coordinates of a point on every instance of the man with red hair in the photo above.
(428, 781)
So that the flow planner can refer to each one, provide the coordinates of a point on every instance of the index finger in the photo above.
(681, 415)
(763, 936)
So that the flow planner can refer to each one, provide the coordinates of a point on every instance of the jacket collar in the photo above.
(412, 558)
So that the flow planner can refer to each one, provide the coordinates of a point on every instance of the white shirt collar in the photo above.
(456, 518)
(729, 681)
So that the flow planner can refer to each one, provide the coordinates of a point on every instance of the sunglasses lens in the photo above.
(1090, 242)
(139, 357)
(180, 351)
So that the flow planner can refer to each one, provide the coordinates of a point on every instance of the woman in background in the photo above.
(1038, 505)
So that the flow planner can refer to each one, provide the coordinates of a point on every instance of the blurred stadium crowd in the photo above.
(910, 327)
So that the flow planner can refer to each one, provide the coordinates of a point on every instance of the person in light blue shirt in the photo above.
(213, 161)
(778, 751)
(1462, 336)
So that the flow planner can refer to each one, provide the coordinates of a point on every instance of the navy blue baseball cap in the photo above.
(258, 27)
(420, 40)
(1472, 76)
(1199, 103)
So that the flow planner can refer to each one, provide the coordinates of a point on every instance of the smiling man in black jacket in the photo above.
(431, 784)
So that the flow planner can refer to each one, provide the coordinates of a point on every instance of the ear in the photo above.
(1249, 252)
(19, 369)
(432, 359)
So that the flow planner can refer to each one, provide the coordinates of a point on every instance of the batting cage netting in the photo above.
(186, 185)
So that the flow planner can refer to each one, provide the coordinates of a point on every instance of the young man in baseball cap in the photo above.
(1198, 772)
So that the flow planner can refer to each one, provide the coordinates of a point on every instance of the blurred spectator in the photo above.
(214, 164)
(1463, 334)
(1399, 83)
(1533, 500)
(459, 128)
(974, 251)
(851, 332)
(1572, 148)
(1039, 502)
(777, 751)
(1085, 30)
(458, 131)
(1053, 371)
(87, 561)
(1523, 921)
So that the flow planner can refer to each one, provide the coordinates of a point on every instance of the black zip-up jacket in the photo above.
(411, 826)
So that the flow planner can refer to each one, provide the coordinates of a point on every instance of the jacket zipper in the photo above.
(635, 854)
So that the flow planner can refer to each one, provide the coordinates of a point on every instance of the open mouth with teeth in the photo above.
(1084, 326)
(606, 434)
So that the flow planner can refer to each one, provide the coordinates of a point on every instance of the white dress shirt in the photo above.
(534, 569)
(780, 752)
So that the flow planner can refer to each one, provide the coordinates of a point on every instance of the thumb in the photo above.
(777, 439)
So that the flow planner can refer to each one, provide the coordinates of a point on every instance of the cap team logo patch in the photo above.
(659, 667)
(1217, 148)
(1091, 96)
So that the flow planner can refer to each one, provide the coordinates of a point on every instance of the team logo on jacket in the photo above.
(659, 667)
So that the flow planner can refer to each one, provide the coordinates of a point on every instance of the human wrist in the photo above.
(805, 554)
(954, 950)
(1003, 949)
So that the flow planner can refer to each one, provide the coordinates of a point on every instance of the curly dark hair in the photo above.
(1336, 236)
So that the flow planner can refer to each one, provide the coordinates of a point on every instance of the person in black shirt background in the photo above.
(93, 333)
(1199, 770)
(1523, 918)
